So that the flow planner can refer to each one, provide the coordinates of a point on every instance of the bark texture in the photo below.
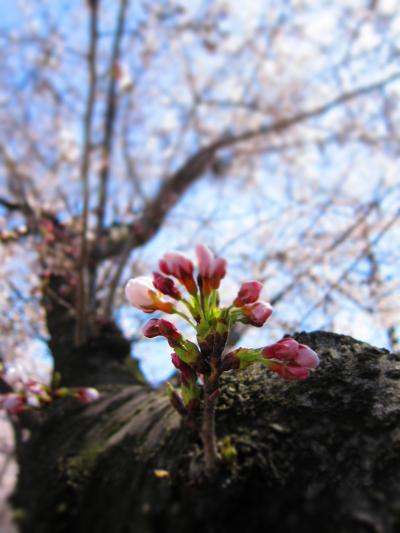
(320, 455)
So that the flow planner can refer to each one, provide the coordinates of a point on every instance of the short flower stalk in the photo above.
(200, 365)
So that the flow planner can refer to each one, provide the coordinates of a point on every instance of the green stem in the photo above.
(187, 304)
(214, 296)
(201, 307)
(185, 317)
(196, 307)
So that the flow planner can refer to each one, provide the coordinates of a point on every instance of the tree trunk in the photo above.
(320, 455)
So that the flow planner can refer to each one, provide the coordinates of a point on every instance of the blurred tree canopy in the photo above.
(269, 131)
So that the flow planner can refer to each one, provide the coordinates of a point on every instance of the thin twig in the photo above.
(108, 136)
(81, 304)
(353, 264)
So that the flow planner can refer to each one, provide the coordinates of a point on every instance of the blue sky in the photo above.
(229, 206)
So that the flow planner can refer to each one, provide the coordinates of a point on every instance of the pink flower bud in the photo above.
(257, 313)
(141, 294)
(188, 375)
(159, 327)
(307, 357)
(177, 362)
(205, 261)
(35, 387)
(13, 403)
(290, 372)
(168, 330)
(189, 387)
(249, 293)
(219, 272)
(290, 350)
(176, 400)
(87, 395)
(180, 267)
(166, 286)
(290, 359)
(151, 329)
(212, 270)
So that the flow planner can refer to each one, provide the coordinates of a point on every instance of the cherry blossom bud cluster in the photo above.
(288, 358)
(29, 394)
(193, 294)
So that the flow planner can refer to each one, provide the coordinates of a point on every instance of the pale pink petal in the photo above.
(205, 260)
(137, 291)
(307, 357)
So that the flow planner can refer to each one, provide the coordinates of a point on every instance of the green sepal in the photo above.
(190, 392)
(235, 315)
(169, 390)
(222, 327)
(188, 352)
(203, 329)
(248, 356)
(194, 307)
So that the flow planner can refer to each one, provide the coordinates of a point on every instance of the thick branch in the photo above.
(141, 231)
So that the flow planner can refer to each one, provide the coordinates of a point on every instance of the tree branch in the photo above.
(115, 239)
(82, 285)
(334, 284)
(12, 206)
(108, 136)
(141, 231)
(109, 117)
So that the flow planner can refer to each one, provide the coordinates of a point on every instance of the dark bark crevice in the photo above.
(320, 455)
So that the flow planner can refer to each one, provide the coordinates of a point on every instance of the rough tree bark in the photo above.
(320, 455)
